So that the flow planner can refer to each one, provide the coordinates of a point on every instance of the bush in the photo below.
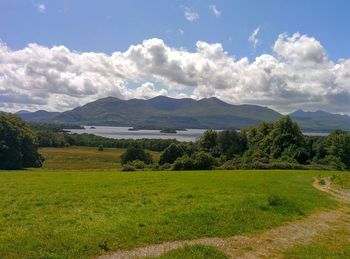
(165, 167)
(137, 164)
(135, 153)
(333, 162)
(229, 165)
(100, 148)
(128, 168)
(183, 163)
(203, 161)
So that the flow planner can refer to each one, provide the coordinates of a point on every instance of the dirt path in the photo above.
(270, 243)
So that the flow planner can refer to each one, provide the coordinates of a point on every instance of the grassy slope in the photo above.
(78, 214)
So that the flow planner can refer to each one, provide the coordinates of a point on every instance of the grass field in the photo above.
(72, 214)
(333, 245)
(63, 213)
(83, 158)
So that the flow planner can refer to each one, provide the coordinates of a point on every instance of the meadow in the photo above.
(84, 158)
(79, 212)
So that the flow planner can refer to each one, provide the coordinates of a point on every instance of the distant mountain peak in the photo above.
(22, 112)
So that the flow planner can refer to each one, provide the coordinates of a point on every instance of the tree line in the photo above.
(279, 145)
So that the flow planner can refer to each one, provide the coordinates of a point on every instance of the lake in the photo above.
(125, 133)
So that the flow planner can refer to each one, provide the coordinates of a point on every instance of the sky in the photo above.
(284, 54)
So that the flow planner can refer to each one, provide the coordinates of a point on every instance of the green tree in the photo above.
(285, 133)
(171, 153)
(208, 141)
(18, 144)
(338, 145)
(136, 153)
(231, 143)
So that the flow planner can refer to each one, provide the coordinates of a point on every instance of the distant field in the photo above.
(72, 214)
(83, 158)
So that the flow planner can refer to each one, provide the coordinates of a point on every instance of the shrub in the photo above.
(135, 153)
(128, 168)
(332, 161)
(203, 161)
(165, 167)
(183, 163)
(229, 165)
(100, 148)
(137, 164)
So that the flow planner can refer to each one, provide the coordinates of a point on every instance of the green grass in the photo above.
(341, 180)
(195, 252)
(83, 158)
(72, 214)
(332, 245)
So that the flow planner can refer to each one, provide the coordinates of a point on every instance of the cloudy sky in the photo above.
(285, 54)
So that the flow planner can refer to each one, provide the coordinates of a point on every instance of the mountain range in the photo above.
(166, 112)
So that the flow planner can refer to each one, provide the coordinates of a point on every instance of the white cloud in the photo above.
(190, 15)
(215, 10)
(297, 74)
(41, 8)
(253, 38)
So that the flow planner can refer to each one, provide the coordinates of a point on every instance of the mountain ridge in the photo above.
(167, 112)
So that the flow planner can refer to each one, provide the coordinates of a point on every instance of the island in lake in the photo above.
(161, 130)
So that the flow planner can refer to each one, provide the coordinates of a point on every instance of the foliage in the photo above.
(136, 153)
(128, 168)
(198, 161)
(138, 164)
(171, 153)
(184, 163)
(338, 145)
(18, 144)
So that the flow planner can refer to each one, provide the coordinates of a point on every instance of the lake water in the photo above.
(124, 133)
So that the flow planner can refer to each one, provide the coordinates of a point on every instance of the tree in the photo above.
(18, 144)
(135, 153)
(171, 153)
(338, 145)
(208, 141)
(285, 133)
(231, 143)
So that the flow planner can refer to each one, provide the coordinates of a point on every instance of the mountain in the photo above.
(165, 112)
(321, 121)
(37, 116)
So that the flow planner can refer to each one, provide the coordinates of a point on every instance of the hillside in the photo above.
(321, 121)
(37, 116)
(165, 112)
